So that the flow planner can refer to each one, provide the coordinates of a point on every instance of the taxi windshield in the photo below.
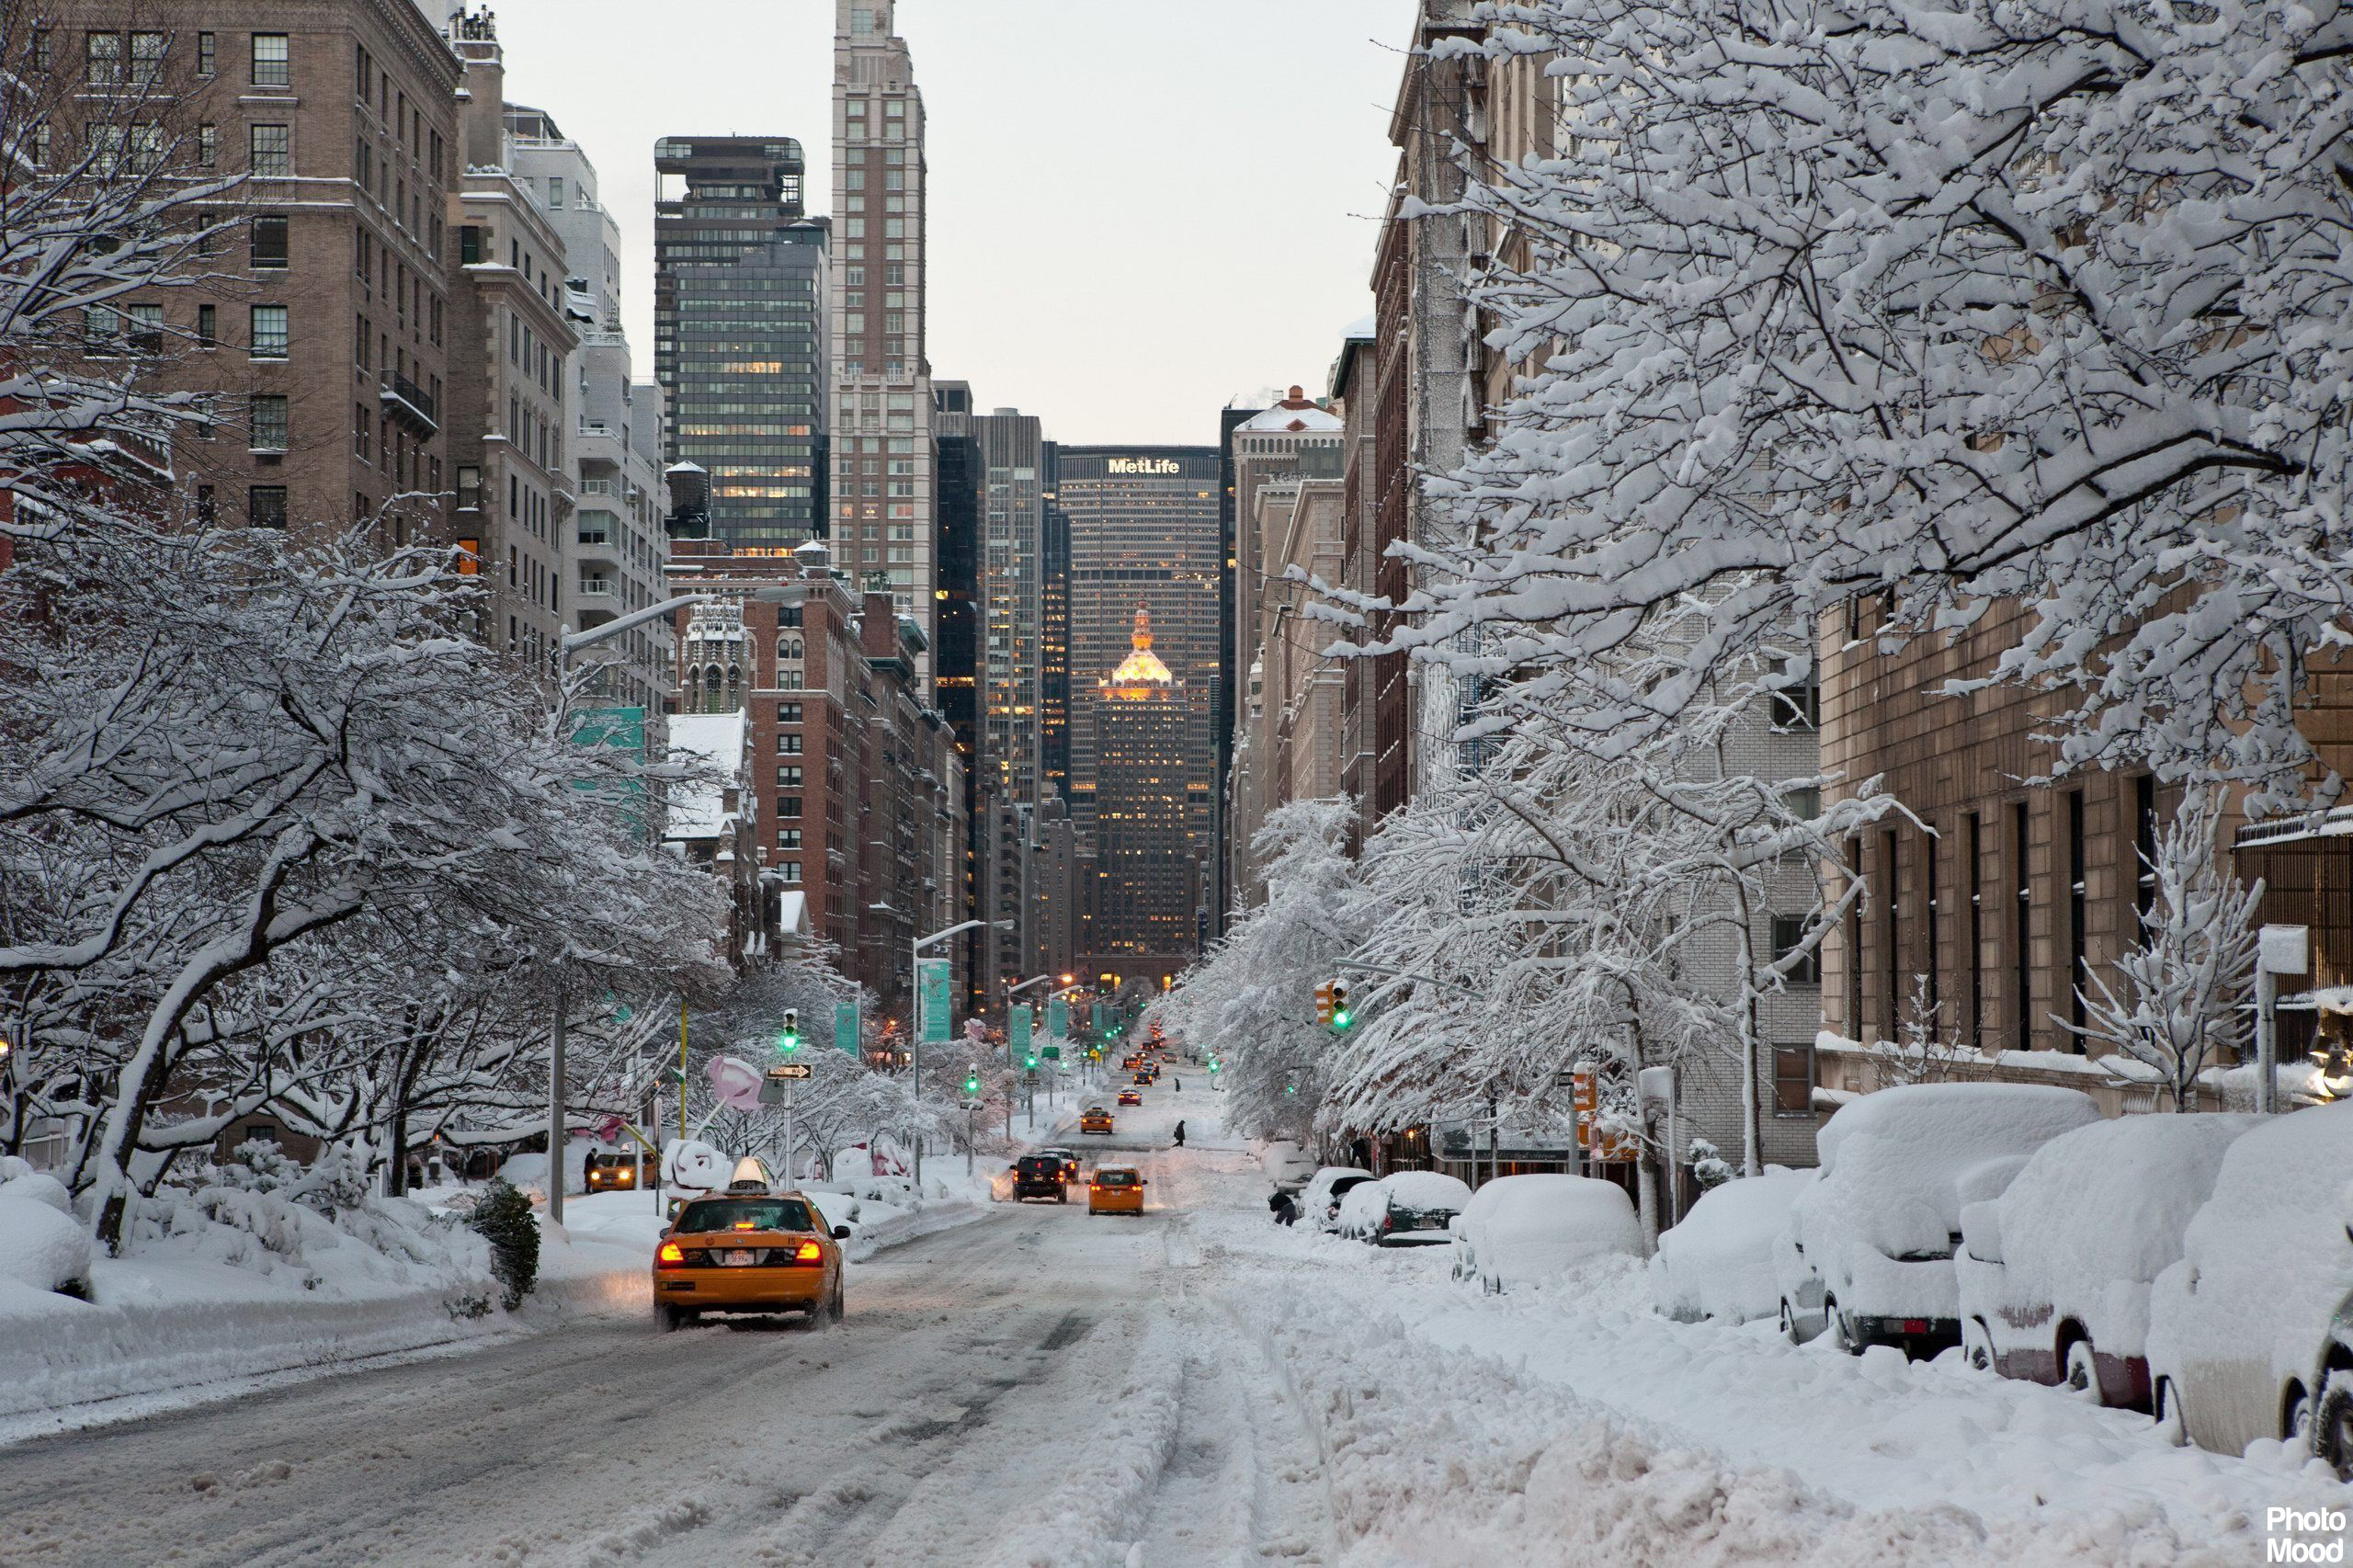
(1114, 1178)
(745, 1214)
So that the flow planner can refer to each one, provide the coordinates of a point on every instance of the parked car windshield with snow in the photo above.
(2055, 1273)
(1878, 1230)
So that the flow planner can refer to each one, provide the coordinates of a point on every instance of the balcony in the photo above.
(409, 408)
(600, 594)
(595, 441)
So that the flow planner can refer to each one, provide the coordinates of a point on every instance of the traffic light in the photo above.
(789, 1040)
(971, 1080)
(1341, 1017)
(1215, 1065)
(1323, 1003)
(1030, 1062)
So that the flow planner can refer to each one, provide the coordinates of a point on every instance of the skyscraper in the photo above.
(1144, 529)
(1147, 868)
(739, 293)
(1013, 516)
(882, 453)
(956, 683)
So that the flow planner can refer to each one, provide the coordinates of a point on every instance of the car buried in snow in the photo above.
(1877, 1230)
(2251, 1331)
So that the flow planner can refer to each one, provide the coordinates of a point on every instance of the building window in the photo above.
(1788, 935)
(2077, 907)
(361, 422)
(272, 150)
(470, 245)
(269, 332)
(788, 745)
(272, 62)
(790, 871)
(1794, 1080)
(788, 778)
(787, 805)
(269, 423)
(2022, 934)
(788, 838)
(208, 327)
(1973, 840)
(787, 712)
(1799, 706)
(266, 505)
(146, 58)
(555, 192)
(208, 55)
(268, 241)
(102, 58)
(146, 323)
(208, 144)
(207, 510)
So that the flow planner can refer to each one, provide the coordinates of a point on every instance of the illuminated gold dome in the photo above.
(1141, 667)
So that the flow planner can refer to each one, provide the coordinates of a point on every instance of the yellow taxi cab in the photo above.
(1115, 1189)
(748, 1252)
(1094, 1119)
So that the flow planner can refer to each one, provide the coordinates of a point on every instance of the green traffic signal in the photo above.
(1342, 1018)
(972, 1083)
(1030, 1060)
(789, 1040)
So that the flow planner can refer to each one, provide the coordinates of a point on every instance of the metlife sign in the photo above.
(1141, 465)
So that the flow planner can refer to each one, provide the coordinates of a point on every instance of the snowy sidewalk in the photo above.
(1550, 1428)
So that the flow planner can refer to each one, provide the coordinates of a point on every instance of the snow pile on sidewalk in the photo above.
(260, 1268)
(887, 1211)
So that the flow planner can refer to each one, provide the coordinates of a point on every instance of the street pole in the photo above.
(555, 1108)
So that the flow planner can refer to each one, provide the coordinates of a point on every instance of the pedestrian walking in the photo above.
(1180, 1135)
(1181, 1085)
(1285, 1209)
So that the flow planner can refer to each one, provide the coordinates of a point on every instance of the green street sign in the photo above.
(934, 985)
(846, 1028)
(1053, 1053)
(1057, 1019)
(1017, 1032)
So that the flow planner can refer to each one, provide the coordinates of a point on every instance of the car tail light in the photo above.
(806, 1252)
(1915, 1325)
(671, 1253)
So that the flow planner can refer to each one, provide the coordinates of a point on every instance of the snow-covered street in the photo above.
(1193, 1388)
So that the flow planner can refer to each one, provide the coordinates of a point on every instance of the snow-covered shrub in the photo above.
(1708, 1167)
(42, 1249)
(504, 1219)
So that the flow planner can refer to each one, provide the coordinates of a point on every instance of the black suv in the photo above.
(1040, 1175)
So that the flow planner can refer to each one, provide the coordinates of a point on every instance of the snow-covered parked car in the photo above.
(2251, 1332)
(1319, 1201)
(2055, 1273)
(1878, 1230)
(1519, 1229)
(1408, 1208)
(1718, 1262)
(1287, 1165)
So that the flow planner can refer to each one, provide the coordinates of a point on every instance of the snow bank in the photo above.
(1520, 1230)
(2094, 1217)
(1719, 1261)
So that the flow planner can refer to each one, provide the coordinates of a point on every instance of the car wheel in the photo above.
(2079, 1371)
(2296, 1418)
(2333, 1424)
(2171, 1425)
(1835, 1326)
(1062, 1197)
(1977, 1344)
(675, 1318)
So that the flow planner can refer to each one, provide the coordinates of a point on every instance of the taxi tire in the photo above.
(672, 1319)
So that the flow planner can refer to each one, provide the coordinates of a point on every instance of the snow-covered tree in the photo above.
(1944, 307)
(1251, 1000)
(1575, 900)
(2180, 1003)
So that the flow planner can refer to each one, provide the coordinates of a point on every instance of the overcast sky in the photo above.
(1139, 212)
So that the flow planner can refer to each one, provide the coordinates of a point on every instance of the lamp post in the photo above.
(914, 978)
(567, 644)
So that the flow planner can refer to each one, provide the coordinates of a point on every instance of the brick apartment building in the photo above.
(320, 333)
(857, 788)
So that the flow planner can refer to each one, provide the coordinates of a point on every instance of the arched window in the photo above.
(734, 687)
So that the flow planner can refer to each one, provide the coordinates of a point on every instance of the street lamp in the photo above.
(914, 978)
(567, 644)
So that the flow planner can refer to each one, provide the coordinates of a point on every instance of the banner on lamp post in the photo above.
(846, 1028)
(1018, 1026)
(933, 986)
(1057, 1019)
